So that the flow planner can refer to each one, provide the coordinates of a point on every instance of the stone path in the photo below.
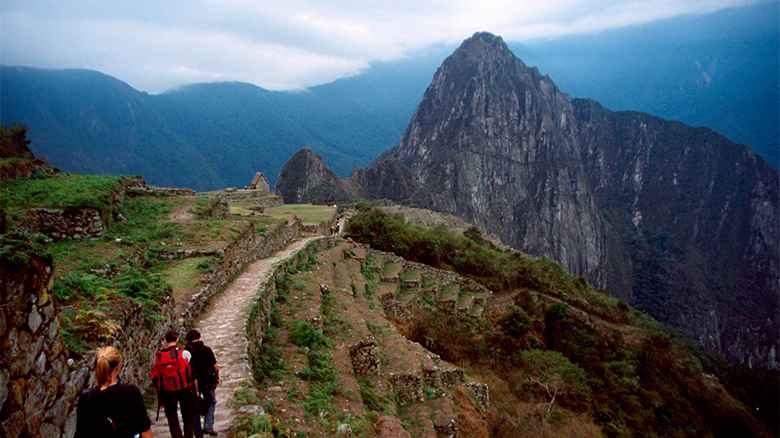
(222, 327)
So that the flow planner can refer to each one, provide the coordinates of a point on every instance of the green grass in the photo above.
(63, 191)
(308, 214)
(184, 275)
(411, 275)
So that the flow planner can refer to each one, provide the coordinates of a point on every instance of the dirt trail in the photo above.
(222, 327)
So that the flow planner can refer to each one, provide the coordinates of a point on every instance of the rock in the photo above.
(3, 386)
(35, 319)
(344, 430)
(304, 171)
(251, 410)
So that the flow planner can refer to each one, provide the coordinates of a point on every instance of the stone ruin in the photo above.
(407, 387)
(365, 357)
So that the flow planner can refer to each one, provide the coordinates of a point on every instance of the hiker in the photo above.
(204, 364)
(172, 376)
(111, 408)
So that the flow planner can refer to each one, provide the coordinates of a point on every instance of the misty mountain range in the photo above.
(718, 70)
(678, 221)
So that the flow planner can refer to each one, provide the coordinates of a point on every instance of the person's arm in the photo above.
(147, 434)
(216, 374)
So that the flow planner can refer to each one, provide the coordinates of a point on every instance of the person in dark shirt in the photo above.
(111, 408)
(204, 364)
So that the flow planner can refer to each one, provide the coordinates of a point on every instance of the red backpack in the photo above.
(171, 372)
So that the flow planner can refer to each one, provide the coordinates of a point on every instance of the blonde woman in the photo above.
(111, 408)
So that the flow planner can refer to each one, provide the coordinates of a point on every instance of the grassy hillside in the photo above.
(95, 277)
(559, 357)
(622, 370)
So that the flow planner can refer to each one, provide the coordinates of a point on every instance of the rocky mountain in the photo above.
(717, 70)
(305, 178)
(678, 221)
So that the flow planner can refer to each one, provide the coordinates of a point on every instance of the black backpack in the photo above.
(204, 373)
(93, 418)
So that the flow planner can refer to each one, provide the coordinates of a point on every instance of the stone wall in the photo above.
(140, 187)
(76, 223)
(248, 247)
(407, 387)
(39, 384)
(218, 211)
(260, 313)
(85, 223)
(262, 197)
(365, 357)
(481, 393)
(392, 307)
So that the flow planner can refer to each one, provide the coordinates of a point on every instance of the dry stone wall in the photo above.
(365, 357)
(75, 223)
(39, 384)
(260, 313)
(139, 187)
(248, 247)
(438, 376)
(407, 387)
(86, 223)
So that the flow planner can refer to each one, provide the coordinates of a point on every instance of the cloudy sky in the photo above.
(290, 44)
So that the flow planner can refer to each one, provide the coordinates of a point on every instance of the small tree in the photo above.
(556, 377)
(14, 142)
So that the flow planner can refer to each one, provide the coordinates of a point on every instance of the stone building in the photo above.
(260, 182)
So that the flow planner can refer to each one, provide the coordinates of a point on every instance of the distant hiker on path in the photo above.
(206, 370)
(172, 376)
(111, 408)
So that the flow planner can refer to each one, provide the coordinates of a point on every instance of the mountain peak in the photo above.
(482, 45)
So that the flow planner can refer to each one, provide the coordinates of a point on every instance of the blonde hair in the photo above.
(106, 360)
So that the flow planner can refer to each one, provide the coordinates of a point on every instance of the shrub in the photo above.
(556, 378)
(516, 323)
(306, 336)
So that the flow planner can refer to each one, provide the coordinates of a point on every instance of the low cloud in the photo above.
(156, 46)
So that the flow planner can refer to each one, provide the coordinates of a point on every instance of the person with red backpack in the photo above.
(172, 376)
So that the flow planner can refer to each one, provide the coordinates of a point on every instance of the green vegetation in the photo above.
(308, 214)
(320, 372)
(62, 191)
(565, 350)
(495, 269)
(98, 280)
(14, 143)
(20, 249)
(371, 400)
(267, 362)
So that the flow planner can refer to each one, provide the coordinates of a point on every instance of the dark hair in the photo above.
(192, 335)
(171, 336)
